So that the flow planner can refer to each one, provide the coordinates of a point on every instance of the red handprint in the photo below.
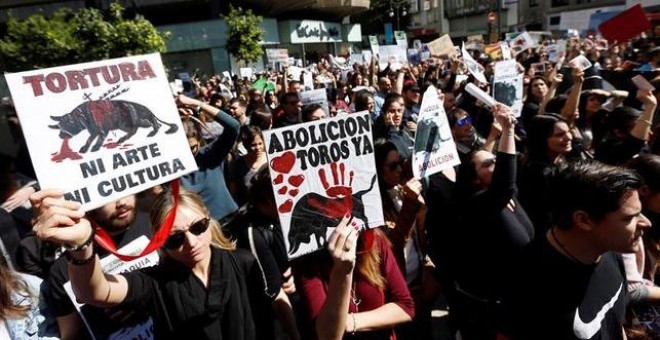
(341, 194)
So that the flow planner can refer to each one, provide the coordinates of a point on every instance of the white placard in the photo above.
(318, 96)
(400, 39)
(508, 85)
(392, 54)
(373, 43)
(321, 171)
(246, 72)
(102, 130)
(435, 149)
(277, 55)
(521, 43)
(442, 46)
(113, 265)
(295, 72)
(308, 81)
(473, 66)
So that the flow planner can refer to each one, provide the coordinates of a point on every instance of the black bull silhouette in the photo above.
(99, 117)
(306, 219)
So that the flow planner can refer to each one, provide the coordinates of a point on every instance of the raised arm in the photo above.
(571, 105)
(61, 222)
(642, 128)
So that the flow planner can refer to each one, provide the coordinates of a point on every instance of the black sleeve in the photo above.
(56, 296)
(28, 257)
(141, 287)
(503, 184)
(264, 268)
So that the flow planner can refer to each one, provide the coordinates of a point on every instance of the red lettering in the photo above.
(76, 79)
(110, 79)
(144, 69)
(93, 74)
(55, 82)
(128, 72)
(35, 81)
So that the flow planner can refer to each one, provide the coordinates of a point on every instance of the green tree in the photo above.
(69, 37)
(244, 34)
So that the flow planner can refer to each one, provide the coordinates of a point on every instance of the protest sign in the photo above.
(277, 55)
(295, 72)
(474, 42)
(373, 42)
(506, 51)
(103, 130)
(473, 66)
(413, 56)
(626, 25)
(318, 96)
(435, 149)
(308, 81)
(400, 38)
(442, 46)
(425, 56)
(322, 171)
(521, 43)
(417, 44)
(392, 54)
(494, 51)
(367, 56)
(96, 320)
(246, 72)
(508, 85)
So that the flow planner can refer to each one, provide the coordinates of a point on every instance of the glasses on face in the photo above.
(176, 240)
(488, 162)
(461, 122)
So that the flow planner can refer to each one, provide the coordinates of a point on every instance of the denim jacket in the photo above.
(39, 323)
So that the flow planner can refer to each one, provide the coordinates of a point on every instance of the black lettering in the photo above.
(367, 148)
(335, 152)
(119, 183)
(323, 155)
(102, 190)
(345, 151)
(275, 145)
(153, 148)
(302, 156)
(356, 143)
(131, 156)
(332, 134)
(177, 165)
(140, 174)
(302, 138)
(165, 169)
(364, 122)
(80, 196)
(313, 157)
(131, 183)
(289, 141)
(351, 127)
(152, 172)
(92, 168)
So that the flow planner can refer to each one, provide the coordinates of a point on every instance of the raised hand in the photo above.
(342, 245)
(58, 220)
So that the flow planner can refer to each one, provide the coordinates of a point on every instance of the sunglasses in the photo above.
(176, 240)
(393, 166)
(464, 121)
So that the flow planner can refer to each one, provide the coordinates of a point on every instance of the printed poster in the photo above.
(508, 85)
(373, 42)
(96, 320)
(473, 66)
(321, 171)
(392, 54)
(318, 96)
(521, 43)
(277, 55)
(494, 51)
(435, 149)
(102, 130)
(400, 39)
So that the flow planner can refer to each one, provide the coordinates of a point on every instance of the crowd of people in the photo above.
(544, 231)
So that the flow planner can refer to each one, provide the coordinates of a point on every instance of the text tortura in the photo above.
(94, 76)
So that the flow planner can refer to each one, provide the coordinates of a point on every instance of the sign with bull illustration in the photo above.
(322, 171)
(101, 130)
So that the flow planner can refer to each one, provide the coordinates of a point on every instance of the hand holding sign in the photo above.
(504, 115)
(58, 220)
(342, 245)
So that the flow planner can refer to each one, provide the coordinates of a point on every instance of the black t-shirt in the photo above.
(59, 301)
(234, 306)
(558, 298)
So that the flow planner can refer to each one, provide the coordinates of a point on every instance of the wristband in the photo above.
(82, 262)
(82, 246)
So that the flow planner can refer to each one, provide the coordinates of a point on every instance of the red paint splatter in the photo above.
(279, 179)
(294, 192)
(110, 145)
(282, 190)
(65, 152)
(283, 163)
(286, 206)
(333, 207)
(297, 180)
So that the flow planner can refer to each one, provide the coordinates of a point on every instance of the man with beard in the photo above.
(124, 223)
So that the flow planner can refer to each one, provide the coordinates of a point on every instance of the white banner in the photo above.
(102, 130)
(322, 171)
(277, 55)
(435, 149)
(392, 54)
(508, 85)
(473, 66)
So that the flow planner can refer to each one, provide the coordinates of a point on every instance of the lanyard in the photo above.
(105, 241)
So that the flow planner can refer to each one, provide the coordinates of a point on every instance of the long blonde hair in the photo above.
(369, 262)
(188, 199)
(10, 284)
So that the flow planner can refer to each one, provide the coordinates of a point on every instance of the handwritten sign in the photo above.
(317, 96)
(392, 54)
(321, 171)
(435, 149)
(102, 130)
(442, 46)
(277, 55)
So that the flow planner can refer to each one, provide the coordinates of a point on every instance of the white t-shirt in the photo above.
(410, 251)
(4, 333)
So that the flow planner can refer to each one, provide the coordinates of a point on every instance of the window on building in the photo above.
(555, 20)
(558, 3)
(579, 2)
(533, 3)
